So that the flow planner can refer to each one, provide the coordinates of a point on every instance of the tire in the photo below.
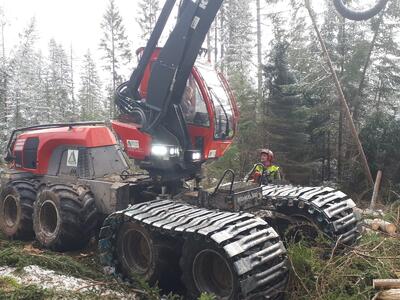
(64, 218)
(205, 269)
(16, 208)
(147, 255)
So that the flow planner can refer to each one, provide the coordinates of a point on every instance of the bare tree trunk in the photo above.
(341, 38)
(209, 47)
(340, 147)
(114, 84)
(259, 51)
(216, 40)
(74, 106)
(222, 45)
(328, 156)
(365, 69)
(323, 167)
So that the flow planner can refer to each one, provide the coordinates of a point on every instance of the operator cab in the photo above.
(210, 114)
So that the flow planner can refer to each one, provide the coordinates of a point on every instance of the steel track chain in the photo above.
(252, 246)
(331, 210)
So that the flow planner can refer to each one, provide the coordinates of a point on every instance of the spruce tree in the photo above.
(116, 49)
(286, 120)
(147, 17)
(90, 95)
(235, 37)
(4, 79)
(24, 81)
(59, 84)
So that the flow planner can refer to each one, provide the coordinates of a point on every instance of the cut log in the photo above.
(378, 224)
(372, 223)
(388, 295)
(380, 284)
(386, 226)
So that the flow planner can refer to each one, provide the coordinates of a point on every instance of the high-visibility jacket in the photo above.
(272, 172)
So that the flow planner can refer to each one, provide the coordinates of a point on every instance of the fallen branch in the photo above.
(299, 278)
(375, 257)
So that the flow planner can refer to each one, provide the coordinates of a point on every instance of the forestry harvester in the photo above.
(65, 180)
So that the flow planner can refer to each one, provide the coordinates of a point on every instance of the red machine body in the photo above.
(33, 149)
(212, 103)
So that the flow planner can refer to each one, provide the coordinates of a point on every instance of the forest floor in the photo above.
(318, 271)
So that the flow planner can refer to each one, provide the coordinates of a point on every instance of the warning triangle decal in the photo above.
(72, 158)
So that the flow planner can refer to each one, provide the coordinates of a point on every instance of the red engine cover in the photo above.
(49, 139)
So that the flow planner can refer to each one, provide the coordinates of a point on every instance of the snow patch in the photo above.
(49, 279)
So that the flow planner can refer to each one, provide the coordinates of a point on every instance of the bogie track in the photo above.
(331, 211)
(250, 250)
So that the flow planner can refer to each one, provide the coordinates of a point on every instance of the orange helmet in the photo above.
(268, 152)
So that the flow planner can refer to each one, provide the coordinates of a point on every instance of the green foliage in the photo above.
(381, 140)
(147, 16)
(286, 119)
(207, 297)
(348, 274)
(149, 292)
(10, 289)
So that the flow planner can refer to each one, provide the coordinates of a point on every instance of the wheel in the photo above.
(63, 218)
(205, 269)
(16, 208)
(147, 255)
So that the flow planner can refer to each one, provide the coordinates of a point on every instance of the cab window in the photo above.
(193, 106)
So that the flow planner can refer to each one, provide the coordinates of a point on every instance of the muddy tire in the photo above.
(64, 218)
(147, 255)
(16, 208)
(205, 269)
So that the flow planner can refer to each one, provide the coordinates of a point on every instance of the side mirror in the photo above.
(360, 15)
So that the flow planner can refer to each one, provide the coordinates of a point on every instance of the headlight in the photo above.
(165, 151)
(193, 156)
(159, 150)
(196, 156)
(174, 151)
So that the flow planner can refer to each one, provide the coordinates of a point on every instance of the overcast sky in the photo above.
(75, 22)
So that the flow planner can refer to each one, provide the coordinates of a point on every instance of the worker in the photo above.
(266, 171)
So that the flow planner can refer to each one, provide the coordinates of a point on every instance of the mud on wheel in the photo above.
(64, 218)
(16, 208)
